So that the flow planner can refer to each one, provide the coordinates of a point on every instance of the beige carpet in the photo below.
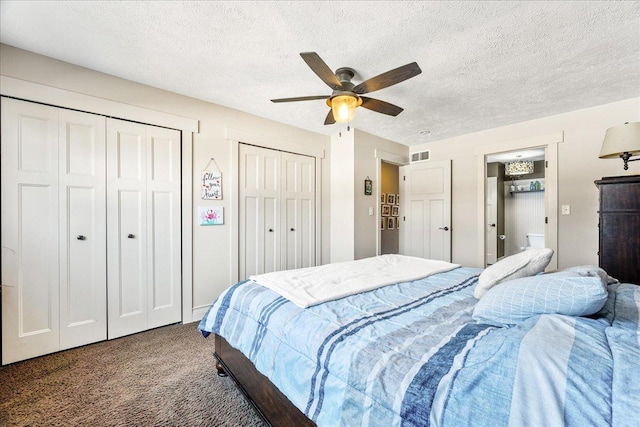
(163, 377)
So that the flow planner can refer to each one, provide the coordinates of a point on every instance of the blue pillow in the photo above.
(556, 293)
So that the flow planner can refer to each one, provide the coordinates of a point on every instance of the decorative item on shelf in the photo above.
(518, 167)
(538, 186)
(622, 141)
(368, 187)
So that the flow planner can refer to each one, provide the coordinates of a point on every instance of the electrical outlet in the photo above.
(566, 209)
(370, 211)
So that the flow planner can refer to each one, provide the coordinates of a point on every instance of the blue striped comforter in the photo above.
(411, 355)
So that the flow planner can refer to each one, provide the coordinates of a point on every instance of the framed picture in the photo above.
(397, 199)
(383, 198)
(211, 216)
(368, 185)
(391, 223)
(395, 210)
(398, 223)
(382, 221)
(386, 210)
(391, 199)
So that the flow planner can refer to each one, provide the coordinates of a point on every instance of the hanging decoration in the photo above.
(368, 187)
(211, 181)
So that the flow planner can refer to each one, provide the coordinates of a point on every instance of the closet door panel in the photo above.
(83, 293)
(163, 220)
(126, 228)
(298, 193)
(271, 249)
(260, 225)
(29, 205)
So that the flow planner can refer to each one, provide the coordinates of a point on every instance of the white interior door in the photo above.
(298, 211)
(259, 210)
(277, 211)
(83, 233)
(426, 203)
(30, 217)
(491, 236)
(164, 274)
(143, 214)
(127, 227)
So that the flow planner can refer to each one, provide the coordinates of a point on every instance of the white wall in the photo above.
(342, 171)
(212, 246)
(578, 168)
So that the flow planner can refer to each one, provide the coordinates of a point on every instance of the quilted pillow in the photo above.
(557, 293)
(526, 263)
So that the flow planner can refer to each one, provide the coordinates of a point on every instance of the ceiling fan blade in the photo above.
(389, 78)
(380, 106)
(329, 120)
(300, 98)
(322, 70)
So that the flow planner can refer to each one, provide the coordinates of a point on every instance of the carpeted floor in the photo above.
(163, 377)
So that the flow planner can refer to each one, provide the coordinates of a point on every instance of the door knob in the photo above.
(492, 225)
(444, 228)
(293, 229)
(271, 230)
(81, 237)
(131, 236)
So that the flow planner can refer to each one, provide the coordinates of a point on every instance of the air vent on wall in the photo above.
(420, 156)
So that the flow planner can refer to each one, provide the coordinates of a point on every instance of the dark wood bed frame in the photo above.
(272, 406)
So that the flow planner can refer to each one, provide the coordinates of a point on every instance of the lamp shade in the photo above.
(344, 108)
(519, 167)
(621, 139)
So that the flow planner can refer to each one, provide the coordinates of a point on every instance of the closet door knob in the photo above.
(81, 237)
(293, 229)
(131, 236)
(271, 230)
(444, 228)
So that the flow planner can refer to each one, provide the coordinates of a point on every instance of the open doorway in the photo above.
(547, 142)
(389, 208)
(515, 203)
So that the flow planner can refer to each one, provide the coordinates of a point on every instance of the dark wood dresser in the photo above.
(619, 249)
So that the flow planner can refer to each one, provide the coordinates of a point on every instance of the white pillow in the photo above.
(523, 264)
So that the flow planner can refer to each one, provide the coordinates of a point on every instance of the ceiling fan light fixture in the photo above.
(344, 107)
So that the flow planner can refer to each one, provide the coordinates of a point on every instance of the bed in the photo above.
(533, 350)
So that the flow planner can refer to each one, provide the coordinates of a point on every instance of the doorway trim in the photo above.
(550, 143)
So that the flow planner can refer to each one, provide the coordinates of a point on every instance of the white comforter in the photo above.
(306, 287)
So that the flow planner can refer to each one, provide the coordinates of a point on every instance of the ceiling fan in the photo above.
(346, 96)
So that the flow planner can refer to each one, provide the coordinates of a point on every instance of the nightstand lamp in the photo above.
(622, 141)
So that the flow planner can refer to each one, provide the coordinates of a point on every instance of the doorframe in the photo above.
(235, 137)
(394, 159)
(35, 92)
(486, 224)
(550, 143)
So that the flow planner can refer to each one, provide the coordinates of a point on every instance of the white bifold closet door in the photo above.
(276, 212)
(143, 213)
(53, 229)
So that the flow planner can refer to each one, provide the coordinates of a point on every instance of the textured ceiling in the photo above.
(484, 64)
